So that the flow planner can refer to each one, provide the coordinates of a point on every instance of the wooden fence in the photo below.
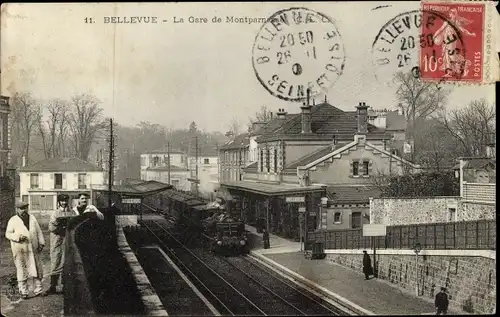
(477, 235)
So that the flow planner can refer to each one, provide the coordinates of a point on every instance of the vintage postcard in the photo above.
(278, 158)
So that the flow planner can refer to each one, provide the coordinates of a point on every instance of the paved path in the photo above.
(374, 295)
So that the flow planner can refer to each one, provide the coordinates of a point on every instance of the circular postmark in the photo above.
(412, 42)
(295, 50)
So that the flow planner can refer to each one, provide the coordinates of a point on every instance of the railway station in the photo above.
(165, 272)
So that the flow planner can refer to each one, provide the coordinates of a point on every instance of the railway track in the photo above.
(227, 299)
(239, 285)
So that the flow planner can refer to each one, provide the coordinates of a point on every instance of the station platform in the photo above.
(277, 244)
(341, 284)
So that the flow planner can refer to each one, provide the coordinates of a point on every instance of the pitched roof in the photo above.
(327, 121)
(240, 141)
(352, 194)
(61, 164)
(275, 124)
(173, 168)
(311, 157)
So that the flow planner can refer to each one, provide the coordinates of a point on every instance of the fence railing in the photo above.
(472, 235)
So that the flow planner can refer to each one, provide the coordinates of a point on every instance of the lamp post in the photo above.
(416, 248)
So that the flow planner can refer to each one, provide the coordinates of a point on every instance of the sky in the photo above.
(174, 73)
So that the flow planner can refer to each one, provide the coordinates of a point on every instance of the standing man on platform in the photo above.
(441, 302)
(57, 228)
(26, 241)
(265, 238)
(367, 265)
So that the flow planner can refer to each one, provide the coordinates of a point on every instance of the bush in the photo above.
(423, 185)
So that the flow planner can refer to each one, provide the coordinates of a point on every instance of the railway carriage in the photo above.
(197, 217)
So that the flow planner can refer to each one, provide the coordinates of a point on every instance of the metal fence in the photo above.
(477, 235)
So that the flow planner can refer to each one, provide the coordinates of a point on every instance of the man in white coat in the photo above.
(83, 206)
(26, 241)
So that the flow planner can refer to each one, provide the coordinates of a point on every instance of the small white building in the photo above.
(157, 158)
(208, 172)
(178, 176)
(41, 182)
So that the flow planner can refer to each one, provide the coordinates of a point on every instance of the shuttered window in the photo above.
(355, 168)
(275, 161)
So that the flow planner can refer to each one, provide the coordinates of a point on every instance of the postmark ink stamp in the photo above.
(395, 47)
(454, 46)
(297, 49)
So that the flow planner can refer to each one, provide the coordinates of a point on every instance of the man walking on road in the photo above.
(57, 228)
(265, 238)
(441, 302)
(367, 265)
(26, 241)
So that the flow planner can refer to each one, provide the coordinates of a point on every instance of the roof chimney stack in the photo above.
(362, 114)
(281, 114)
(306, 114)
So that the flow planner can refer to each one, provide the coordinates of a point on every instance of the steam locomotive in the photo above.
(223, 233)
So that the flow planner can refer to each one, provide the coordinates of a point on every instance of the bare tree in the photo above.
(26, 115)
(85, 122)
(473, 127)
(418, 99)
(264, 115)
(53, 128)
(438, 147)
(234, 127)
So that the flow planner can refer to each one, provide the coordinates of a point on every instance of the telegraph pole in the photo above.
(110, 163)
(196, 156)
(168, 158)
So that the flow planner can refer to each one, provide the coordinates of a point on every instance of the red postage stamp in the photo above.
(451, 41)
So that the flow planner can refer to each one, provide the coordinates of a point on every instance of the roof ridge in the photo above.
(307, 156)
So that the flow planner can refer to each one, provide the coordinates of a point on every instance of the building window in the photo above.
(366, 166)
(206, 161)
(156, 161)
(355, 168)
(24, 198)
(34, 181)
(58, 181)
(81, 181)
(337, 217)
(452, 214)
(268, 160)
(262, 160)
(275, 161)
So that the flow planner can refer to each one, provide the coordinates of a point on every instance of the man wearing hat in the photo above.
(57, 228)
(26, 241)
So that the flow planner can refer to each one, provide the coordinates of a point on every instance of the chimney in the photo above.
(306, 114)
(281, 114)
(362, 115)
(257, 125)
(24, 161)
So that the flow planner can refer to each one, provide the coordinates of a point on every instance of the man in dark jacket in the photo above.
(367, 265)
(265, 238)
(441, 302)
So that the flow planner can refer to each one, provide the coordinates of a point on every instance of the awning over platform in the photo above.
(144, 188)
(271, 189)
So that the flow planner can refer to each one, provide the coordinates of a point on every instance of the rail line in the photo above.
(227, 299)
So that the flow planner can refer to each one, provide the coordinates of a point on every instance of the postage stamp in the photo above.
(297, 49)
(453, 47)
(445, 41)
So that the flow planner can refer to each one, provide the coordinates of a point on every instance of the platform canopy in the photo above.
(135, 189)
(271, 189)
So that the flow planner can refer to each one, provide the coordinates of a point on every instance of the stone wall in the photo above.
(475, 211)
(402, 211)
(471, 281)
